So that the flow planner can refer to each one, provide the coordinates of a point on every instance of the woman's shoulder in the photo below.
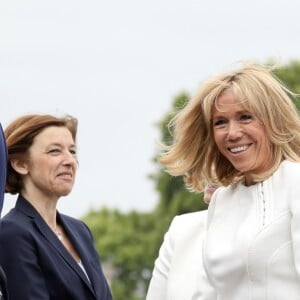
(14, 224)
(288, 170)
(72, 221)
(288, 165)
(13, 219)
(185, 221)
(76, 225)
(191, 217)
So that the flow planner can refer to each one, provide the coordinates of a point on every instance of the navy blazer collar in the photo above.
(25, 206)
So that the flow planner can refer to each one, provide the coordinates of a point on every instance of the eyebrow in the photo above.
(242, 111)
(60, 145)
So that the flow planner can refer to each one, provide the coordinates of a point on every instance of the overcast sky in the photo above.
(116, 65)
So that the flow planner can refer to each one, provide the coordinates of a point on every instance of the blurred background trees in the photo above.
(129, 242)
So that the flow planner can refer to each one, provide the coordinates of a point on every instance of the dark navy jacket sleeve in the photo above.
(3, 168)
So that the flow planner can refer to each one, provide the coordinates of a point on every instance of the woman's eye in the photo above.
(53, 151)
(219, 123)
(246, 117)
(73, 152)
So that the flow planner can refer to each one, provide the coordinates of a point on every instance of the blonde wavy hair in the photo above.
(194, 153)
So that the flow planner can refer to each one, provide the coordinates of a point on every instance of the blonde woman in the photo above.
(243, 129)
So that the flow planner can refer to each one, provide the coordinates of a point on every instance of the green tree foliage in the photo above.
(290, 76)
(125, 241)
(129, 242)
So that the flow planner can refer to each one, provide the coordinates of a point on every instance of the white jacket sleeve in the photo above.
(178, 272)
(158, 285)
(294, 201)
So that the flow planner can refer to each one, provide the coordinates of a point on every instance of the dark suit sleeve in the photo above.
(3, 166)
(19, 261)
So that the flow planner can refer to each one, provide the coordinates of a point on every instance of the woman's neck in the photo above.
(45, 206)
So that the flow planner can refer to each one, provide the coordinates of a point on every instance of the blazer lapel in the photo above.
(79, 247)
(44, 229)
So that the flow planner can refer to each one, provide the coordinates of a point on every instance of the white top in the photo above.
(252, 248)
(178, 272)
(83, 269)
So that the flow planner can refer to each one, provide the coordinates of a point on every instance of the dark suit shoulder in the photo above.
(75, 225)
(13, 222)
(71, 221)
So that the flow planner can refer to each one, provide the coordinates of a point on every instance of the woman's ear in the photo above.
(19, 166)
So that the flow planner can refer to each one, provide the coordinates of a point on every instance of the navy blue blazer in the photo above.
(39, 267)
(3, 168)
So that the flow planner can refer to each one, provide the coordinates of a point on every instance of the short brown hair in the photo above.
(19, 136)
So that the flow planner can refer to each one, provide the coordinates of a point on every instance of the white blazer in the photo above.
(252, 246)
(178, 272)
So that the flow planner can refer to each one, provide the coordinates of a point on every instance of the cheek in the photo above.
(259, 133)
(257, 128)
(218, 139)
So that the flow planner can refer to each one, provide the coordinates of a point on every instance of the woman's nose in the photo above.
(235, 131)
(70, 158)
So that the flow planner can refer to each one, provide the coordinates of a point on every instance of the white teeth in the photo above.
(65, 174)
(238, 149)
